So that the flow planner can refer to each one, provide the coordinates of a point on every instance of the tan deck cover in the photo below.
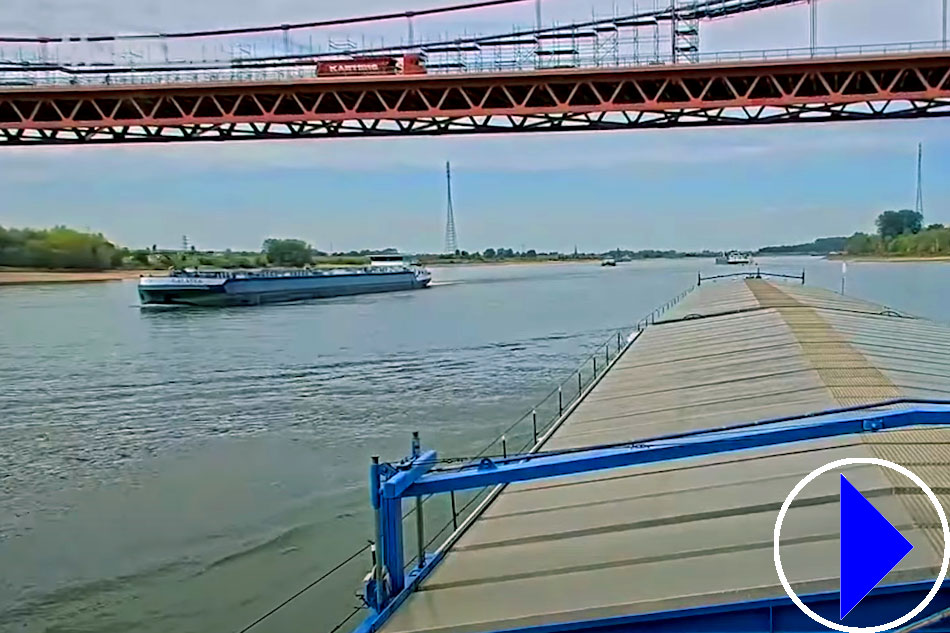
(699, 532)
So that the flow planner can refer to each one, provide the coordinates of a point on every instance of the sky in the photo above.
(677, 189)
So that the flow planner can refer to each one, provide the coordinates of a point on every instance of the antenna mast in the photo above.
(451, 239)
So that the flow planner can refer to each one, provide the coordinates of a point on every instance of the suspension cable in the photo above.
(249, 30)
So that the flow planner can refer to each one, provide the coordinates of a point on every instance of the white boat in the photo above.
(735, 258)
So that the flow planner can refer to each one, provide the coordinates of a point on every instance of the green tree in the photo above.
(489, 253)
(890, 224)
(59, 247)
(862, 244)
(287, 252)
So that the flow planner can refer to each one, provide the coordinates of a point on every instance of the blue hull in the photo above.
(256, 291)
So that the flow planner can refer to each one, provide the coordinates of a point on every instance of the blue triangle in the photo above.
(870, 547)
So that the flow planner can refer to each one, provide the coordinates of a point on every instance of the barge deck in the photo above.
(694, 534)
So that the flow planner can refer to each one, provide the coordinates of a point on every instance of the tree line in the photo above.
(901, 233)
(64, 248)
(58, 247)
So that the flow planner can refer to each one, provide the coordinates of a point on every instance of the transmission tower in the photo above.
(919, 206)
(451, 239)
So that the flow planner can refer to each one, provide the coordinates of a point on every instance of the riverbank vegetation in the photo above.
(901, 234)
(59, 247)
(821, 246)
(66, 249)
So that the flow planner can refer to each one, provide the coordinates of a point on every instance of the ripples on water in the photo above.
(190, 468)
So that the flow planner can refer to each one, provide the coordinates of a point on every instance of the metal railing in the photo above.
(17, 74)
(657, 312)
(749, 274)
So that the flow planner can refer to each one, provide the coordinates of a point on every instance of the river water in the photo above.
(186, 470)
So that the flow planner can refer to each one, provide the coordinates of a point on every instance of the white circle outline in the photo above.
(849, 461)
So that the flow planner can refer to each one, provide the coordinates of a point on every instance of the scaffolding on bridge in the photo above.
(659, 32)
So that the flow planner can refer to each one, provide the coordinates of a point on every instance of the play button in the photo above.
(870, 547)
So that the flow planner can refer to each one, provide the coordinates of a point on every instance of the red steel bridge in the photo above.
(160, 105)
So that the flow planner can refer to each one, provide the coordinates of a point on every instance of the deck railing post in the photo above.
(560, 402)
(595, 366)
(504, 447)
(534, 424)
(579, 383)
(420, 533)
(618, 342)
(455, 520)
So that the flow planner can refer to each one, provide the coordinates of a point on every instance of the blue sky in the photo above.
(685, 189)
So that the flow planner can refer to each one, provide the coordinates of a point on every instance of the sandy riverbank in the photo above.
(16, 277)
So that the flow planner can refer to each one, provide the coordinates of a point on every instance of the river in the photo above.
(186, 470)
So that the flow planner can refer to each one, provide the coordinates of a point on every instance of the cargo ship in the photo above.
(386, 273)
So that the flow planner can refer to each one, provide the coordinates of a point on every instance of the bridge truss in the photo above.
(689, 95)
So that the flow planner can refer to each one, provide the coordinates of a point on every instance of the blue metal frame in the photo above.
(388, 486)
(546, 465)
(771, 614)
(416, 476)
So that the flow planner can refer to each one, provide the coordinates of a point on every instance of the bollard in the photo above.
(455, 519)
(534, 424)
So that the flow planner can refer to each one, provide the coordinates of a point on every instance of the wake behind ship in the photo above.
(387, 273)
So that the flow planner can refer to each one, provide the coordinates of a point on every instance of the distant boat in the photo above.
(608, 261)
(734, 258)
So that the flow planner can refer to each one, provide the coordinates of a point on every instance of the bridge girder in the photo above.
(763, 92)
